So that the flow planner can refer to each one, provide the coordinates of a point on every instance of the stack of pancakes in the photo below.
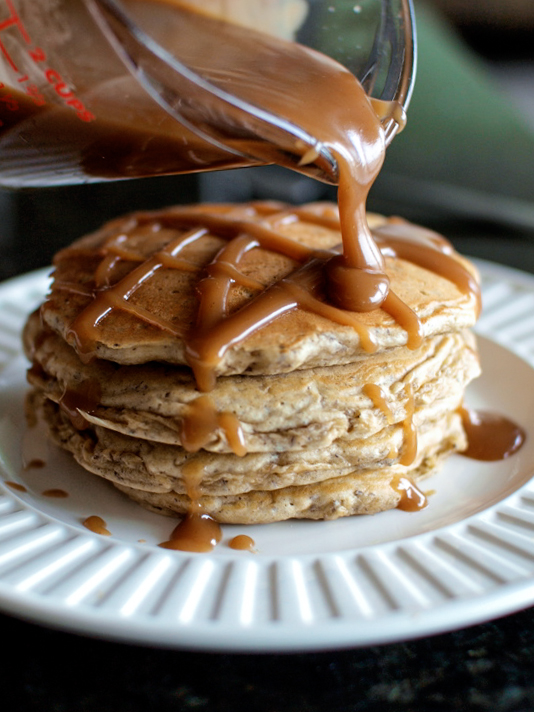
(300, 415)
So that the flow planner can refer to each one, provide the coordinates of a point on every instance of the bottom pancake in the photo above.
(356, 493)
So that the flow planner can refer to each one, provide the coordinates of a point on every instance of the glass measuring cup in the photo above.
(95, 90)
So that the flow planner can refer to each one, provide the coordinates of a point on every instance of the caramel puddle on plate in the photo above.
(35, 464)
(490, 436)
(197, 532)
(96, 525)
(412, 499)
(55, 493)
(15, 486)
(242, 542)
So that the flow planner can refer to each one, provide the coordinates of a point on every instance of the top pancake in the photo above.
(150, 287)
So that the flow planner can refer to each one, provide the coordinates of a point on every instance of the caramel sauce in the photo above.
(427, 249)
(315, 93)
(35, 464)
(15, 486)
(405, 317)
(193, 472)
(409, 447)
(197, 532)
(203, 420)
(308, 92)
(242, 542)
(490, 436)
(96, 525)
(377, 395)
(411, 497)
(55, 493)
(86, 398)
(390, 110)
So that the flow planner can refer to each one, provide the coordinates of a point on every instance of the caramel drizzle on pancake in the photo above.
(377, 395)
(427, 249)
(304, 288)
(203, 420)
(84, 399)
(409, 447)
(198, 531)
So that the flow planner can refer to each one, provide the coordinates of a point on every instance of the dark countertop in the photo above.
(485, 667)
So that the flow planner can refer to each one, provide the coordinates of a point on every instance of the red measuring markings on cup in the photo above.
(13, 22)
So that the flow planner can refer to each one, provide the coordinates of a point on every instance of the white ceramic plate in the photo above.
(468, 557)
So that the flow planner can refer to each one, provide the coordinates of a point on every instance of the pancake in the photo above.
(152, 313)
(194, 357)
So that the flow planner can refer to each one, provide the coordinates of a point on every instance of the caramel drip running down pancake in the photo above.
(85, 398)
(377, 395)
(197, 531)
(409, 448)
(203, 420)
(216, 330)
(426, 249)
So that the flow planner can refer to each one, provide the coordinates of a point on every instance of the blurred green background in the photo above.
(468, 147)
